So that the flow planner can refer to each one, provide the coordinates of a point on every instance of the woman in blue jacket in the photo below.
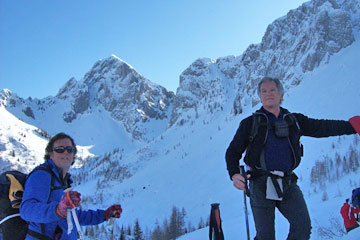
(45, 204)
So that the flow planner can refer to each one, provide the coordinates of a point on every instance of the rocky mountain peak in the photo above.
(115, 86)
(292, 45)
(112, 67)
(4, 95)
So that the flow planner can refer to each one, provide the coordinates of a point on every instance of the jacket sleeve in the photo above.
(237, 147)
(90, 217)
(322, 127)
(344, 211)
(34, 206)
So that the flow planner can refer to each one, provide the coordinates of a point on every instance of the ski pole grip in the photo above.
(243, 173)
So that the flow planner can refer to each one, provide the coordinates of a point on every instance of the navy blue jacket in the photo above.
(38, 205)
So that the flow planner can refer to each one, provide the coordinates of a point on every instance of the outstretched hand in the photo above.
(114, 211)
(355, 123)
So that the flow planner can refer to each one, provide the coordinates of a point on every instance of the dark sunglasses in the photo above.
(62, 149)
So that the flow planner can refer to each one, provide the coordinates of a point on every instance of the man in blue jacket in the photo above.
(273, 151)
(45, 204)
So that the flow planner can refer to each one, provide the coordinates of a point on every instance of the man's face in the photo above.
(65, 159)
(269, 95)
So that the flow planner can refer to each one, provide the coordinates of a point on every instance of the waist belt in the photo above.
(256, 172)
(274, 176)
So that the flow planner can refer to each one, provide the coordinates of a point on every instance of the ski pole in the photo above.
(246, 192)
(77, 224)
(76, 220)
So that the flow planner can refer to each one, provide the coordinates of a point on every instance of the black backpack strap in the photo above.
(254, 126)
(253, 131)
(256, 123)
(38, 235)
(293, 120)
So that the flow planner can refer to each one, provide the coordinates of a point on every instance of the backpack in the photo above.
(355, 198)
(12, 185)
(215, 229)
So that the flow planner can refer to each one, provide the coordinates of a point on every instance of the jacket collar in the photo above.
(262, 110)
(57, 171)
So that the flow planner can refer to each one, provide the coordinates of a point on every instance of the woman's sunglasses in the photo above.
(62, 149)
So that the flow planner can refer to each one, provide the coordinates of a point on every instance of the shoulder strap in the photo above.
(256, 122)
(38, 235)
(293, 120)
(46, 168)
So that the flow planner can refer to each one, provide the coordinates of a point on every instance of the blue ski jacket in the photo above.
(39, 202)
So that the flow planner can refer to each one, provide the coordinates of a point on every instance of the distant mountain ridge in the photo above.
(150, 143)
(111, 85)
(292, 45)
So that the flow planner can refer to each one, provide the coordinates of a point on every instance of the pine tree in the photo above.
(166, 229)
(158, 233)
(122, 233)
(201, 223)
(353, 160)
(325, 196)
(138, 234)
(173, 231)
(190, 228)
(346, 168)
(128, 231)
(91, 231)
(181, 221)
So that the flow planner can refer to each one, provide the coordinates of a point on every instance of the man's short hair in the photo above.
(277, 82)
(50, 145)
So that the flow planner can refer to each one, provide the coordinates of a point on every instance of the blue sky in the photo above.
(45, 43)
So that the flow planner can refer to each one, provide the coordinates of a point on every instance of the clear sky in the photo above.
(45, 43)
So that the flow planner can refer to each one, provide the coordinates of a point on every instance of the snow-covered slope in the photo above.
(154, 150)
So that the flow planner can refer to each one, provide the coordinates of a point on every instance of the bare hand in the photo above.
(239, 181)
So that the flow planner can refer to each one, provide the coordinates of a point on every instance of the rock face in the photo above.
(119, 89)
(130, 98)
(292, 45)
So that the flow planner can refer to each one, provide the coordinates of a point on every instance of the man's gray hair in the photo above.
(278, 84)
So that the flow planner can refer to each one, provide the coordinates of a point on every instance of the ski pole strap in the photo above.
(276, 186)
(9, 217)
(69, 222)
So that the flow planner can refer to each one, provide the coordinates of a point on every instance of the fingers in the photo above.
(239, 181)
(117, 210)
(72, 199)
(114, 211)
